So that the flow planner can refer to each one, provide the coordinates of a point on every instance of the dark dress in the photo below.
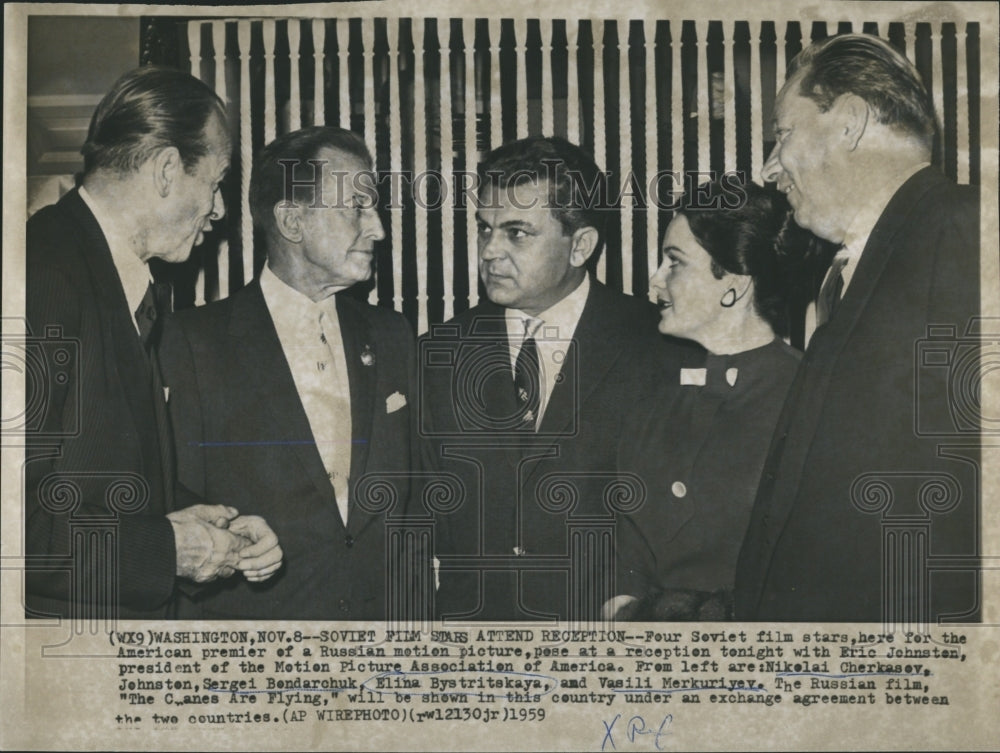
(699, 450)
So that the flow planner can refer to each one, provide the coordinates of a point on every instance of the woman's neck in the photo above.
(745, 333)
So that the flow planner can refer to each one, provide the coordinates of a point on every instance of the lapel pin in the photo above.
(367, 356)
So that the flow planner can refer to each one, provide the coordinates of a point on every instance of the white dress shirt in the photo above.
(552, 329)
(133, 272)
(309, 333)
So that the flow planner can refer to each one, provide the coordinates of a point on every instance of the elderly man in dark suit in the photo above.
(295, 395)
(863, 513)
(107, 531)
(524, 394)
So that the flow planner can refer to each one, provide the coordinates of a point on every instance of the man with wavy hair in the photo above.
(858, 499)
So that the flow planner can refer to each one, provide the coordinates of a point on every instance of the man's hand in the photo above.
(262, 558)
(206, 550)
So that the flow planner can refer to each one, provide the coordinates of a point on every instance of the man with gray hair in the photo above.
(856, 452)
(107, 530)
(296, 394)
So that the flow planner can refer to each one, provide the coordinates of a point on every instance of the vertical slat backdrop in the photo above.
(246, 150)
(496, 121)
(471, 153)
(395, 161)
(729, 103)
(600, 136)
(757, 155)
(479, 79)
(448, 86)
(420, 137)
(343, 89)
(572, 81)
(368, 34)
(652, 152)
(962, 104)
(319, 87)
(294, 96)
(521, 41)
(194, 45)
(701, 96)
(548, 105)
(219, 50)
(270, 105)
(625, 153)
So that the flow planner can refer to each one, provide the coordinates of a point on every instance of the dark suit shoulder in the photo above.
(54, 239)
(485, 314)
(385, 324)
(380, 316)
(211, 320)
(930, 198)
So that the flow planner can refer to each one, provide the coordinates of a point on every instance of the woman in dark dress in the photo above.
(700, 442)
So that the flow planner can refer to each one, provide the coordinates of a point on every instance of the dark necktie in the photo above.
(833, 286)
(527, 380)
(147, 316)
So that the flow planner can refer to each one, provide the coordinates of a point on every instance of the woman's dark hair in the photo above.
(747, 230)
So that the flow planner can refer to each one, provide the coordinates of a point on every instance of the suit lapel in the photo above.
(878, 251)
(809, 390)
(484, 383)
(127, 358)
(261, 358)
(590, 356)
(364, 361)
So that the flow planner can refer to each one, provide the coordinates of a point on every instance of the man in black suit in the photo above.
(523, 396)
(864, 512)
(107, 531)
(294, 395)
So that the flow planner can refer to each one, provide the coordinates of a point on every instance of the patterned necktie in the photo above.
(833, 286)
(527, 379)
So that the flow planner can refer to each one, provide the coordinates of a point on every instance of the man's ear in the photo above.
(166, 165)
(288, 221)
(854, 113)
(583, 245)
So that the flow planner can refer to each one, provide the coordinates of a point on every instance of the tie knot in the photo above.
(841, 258)
(531, 325)
(146, 316)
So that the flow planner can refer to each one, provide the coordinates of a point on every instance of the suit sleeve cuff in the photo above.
(147, 561)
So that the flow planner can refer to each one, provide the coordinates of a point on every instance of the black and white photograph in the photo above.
(570, 377)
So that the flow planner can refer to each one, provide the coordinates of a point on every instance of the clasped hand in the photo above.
(214, 541)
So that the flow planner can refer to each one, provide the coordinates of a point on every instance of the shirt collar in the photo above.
(559, 320)
(133, 272)
(289, 308)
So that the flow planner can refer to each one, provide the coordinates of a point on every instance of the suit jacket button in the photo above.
(349, 541)
(678, 489)
(344, 606)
